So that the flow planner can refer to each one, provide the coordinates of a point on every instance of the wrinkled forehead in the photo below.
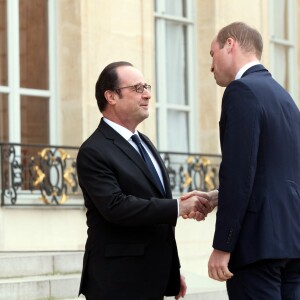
(129, 74)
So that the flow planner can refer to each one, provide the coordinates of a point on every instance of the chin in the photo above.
(220, 83)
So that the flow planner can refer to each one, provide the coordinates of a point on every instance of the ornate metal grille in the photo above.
(46, 175)
(192, 171)
(39, 174)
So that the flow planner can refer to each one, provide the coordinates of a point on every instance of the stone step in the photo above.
(20, 264)
(201, 287)
(40, 287)
(66, 287)
(56, 275)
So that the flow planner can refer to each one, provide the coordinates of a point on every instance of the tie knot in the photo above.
(136, 139)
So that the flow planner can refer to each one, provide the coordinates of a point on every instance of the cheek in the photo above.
(216, 66)
(133, 106)
(220, 65)
(124, 106)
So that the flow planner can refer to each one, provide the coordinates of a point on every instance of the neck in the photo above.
(123, 123)
(245, 58)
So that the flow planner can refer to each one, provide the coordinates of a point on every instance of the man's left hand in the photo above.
(183, 288)
(218, 265)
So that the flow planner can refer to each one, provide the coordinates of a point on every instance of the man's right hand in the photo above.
(194, 206)
(207, 202)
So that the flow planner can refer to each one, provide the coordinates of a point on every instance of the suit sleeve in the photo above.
(101, 180)
(239, 133)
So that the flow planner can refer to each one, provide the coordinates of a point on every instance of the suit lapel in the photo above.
(160, 163)
(128, 150)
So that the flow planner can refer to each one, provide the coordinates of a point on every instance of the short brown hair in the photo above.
(108, 80)
(249, 39)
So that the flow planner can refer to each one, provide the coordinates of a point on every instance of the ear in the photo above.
(110, 97)
(229, 44)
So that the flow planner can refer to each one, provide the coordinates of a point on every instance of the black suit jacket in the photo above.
(130, 251)
(259, 197)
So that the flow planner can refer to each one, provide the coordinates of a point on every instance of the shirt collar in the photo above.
(124, 132)
(245, 68)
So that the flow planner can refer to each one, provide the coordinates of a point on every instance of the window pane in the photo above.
(176, 63)
(281, 19)
(178, 129)
(176, 8)
(34, 44)
(3, 43)
(281, 65)
(3, 118)
(157, 62)
(34, 120)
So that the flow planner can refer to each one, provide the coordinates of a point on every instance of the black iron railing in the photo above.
(38, 174)
(32, 175)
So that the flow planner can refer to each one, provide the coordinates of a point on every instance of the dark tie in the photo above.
(148, 161)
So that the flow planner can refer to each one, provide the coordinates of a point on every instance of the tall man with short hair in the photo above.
(131, 252)
(257, 235)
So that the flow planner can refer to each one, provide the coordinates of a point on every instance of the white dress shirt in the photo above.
(127, 134)
(245, 68)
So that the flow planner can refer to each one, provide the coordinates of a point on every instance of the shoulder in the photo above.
(93, 139)
(240, 93)
(241, 102)
(94, 147)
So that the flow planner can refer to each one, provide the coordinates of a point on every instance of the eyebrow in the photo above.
(134, 84)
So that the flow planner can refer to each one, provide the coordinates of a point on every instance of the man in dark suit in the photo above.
(131, 252)
(257, 234)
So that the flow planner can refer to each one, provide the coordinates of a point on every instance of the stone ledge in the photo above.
(40, 287)
(203, 288)
(20, 264)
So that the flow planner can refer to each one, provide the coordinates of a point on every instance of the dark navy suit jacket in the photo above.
(258, 213)
(130, 252)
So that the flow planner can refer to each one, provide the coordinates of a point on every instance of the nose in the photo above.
(146, 93)
(212, 68)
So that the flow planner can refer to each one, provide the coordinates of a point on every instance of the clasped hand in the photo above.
(196, 204)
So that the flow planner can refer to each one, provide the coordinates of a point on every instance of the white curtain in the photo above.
(175, 83)
(176, 79)
(176, 63)
(280, 60)
(178, 131)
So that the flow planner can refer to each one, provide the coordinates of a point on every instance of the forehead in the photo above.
(214, 47)
(214, 43)
(129, 74)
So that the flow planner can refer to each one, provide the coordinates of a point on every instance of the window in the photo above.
(3, 74)
(283, 55)
(27, 87)
(175, 91)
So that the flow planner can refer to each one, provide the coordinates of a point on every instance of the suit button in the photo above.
(229, 237)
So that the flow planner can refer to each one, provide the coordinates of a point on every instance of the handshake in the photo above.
(196, 204)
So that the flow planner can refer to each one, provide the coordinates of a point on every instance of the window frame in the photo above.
(289, 44)
(162, 107)
(13, 90)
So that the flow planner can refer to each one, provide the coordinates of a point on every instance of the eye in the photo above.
(139, 88)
